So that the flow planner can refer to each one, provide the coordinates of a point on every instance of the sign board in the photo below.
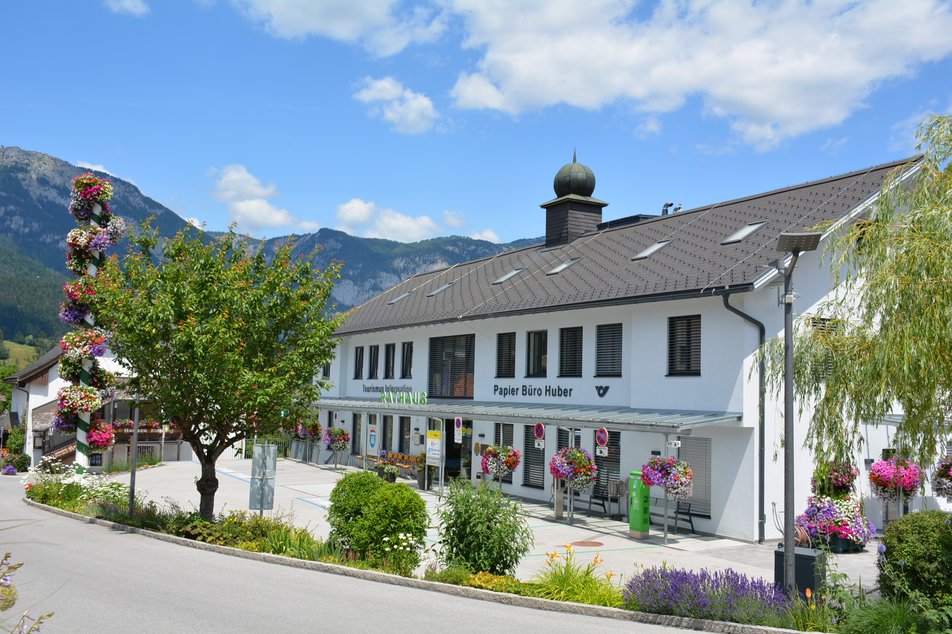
(601, 437)
(674, 444)
(601, 451)
(458, 430)
(264, 464)
(373, 441)
(539, 443)
(434, 447)
(539, 431)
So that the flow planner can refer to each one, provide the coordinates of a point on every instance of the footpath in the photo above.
(302, 491)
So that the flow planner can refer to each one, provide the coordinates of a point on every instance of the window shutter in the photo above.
(451, 366)
(503, 435)
(506, 355)
(697, 453)
(608, 344)
(570, 351)
(684, 345)
(533, 460)
(609, 467)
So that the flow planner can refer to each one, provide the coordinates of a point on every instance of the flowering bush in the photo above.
(942, 478)
(575, 465)
(565, 579)
(674, 476)
(100, 436)
(78, 399)
(827, 517)
(9, 470)
(500, 461)
(888, 477)
(721, 595)
(336, 439)
(834, 479)
(84, 343)
(89, 190)
(127, 424)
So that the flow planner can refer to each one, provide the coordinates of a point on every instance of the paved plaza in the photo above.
(303, 491)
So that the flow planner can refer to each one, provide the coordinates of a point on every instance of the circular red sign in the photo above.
(539, 431)
(601, 437)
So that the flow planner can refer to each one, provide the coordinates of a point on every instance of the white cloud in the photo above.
(248, 202)
(96, 167)
(396, 226)
(410, 112)
(355, 211)
(773, 70)
(383, 27)
(833, 146)
(902, 137)
(454, 219)
(649, 126)
(137, 8)
(195, 222)
(487, 234)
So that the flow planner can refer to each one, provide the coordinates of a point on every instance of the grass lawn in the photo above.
(20, 354)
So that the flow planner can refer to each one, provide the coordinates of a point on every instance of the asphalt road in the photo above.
(99, 580)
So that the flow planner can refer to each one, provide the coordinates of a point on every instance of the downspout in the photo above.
(762, 391)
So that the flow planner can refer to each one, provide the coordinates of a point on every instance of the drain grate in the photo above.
(588, 544)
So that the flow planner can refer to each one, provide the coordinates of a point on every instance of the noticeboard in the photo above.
(434, 447)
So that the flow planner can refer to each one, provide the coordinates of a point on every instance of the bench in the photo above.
(681, 513)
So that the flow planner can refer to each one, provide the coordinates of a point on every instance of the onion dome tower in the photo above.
(574, 212)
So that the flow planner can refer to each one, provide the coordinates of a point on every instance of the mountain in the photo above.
(30, 295)
(34, 219)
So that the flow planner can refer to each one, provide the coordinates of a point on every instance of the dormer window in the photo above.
(563, 266)
(508, 276)
(743, 232)
(440, 289)
(654, 248)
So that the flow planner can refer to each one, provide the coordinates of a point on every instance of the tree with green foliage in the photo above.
(6, 389)
(885, 339)
(223, 342)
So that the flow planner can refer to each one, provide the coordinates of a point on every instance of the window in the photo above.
(568, 438)
(440, 289)
(563, 266)
(355, 447)
(386, 431)
(743, 232)
(400, 297)
(570, 351)
(330, 419)
(374, 358)
(654, 248)
(406, 361)
(326, 371)
(502, 435)
(511, 274)
(506, 355)
(684, 346)
(697, 453)
(389, 352)
(359, 362)
(533, 463)
(451, 366)
(608, 344)
(404, 434)
(537, 353)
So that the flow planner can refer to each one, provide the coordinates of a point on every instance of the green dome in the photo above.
(574, 178)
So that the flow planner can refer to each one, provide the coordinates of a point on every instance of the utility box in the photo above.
(809, 569)
(639, 502)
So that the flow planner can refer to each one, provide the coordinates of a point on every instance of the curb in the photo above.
(618, 614)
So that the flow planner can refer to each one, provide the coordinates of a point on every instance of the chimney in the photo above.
(574, 212)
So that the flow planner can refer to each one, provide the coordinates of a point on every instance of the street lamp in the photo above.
(794, 244)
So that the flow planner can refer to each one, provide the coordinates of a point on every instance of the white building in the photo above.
(647, 326)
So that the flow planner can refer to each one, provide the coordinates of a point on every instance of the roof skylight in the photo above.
(440, 289)
(511, 274)
(657, 246)
(563, 266)
(743, 232)
(400, 297)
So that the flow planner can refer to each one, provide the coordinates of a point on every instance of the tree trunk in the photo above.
(207, 485)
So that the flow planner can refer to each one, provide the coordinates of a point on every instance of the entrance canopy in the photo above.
(668, 421)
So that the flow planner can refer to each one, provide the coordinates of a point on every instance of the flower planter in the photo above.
(423, 482)
(389, 477)
(840, 545)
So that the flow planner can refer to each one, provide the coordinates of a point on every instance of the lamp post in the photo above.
(794, 244)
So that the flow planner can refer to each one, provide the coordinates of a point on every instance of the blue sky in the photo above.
(409, 120)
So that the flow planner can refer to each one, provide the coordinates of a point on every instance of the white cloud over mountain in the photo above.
(249, 204)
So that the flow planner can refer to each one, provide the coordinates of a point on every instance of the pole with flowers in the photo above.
(674, 476)
(97, 230)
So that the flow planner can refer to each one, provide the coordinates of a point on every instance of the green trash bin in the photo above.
(639, 495)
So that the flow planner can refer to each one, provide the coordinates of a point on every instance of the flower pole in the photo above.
(674, 476)
(85, 254)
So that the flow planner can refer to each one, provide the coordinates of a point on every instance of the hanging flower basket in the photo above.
(828, 520)
(83, 243)
(307, 430)
(88, 191)
(78, 399)
(336, 439)
(576, 466)
(100, 437)
(942, 478)
(888, 477)
(674, 476)
(499, 461)
(84, 343)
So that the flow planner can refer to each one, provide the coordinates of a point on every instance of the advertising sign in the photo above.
(373, 441)
(458, 430)
(434, 447)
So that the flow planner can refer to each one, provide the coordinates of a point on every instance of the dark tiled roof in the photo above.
(693, 263)
(36, 368)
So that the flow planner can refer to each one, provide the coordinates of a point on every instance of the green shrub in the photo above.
(915, 559)
(453, 575)
(238, 529)
(886, 616)
(564, 579)
(501, 583)
(15, 441)
(21, 462)
(482, 530)
(348, 501)
(391, 530)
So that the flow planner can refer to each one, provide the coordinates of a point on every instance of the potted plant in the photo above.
(388, 471)
(834, 516)
(424, 473)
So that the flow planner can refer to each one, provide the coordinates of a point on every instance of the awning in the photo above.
(667, 421)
